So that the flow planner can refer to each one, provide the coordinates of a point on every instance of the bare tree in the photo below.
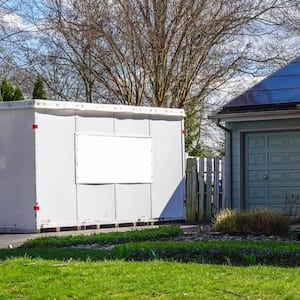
(171, 53)
(162, 53)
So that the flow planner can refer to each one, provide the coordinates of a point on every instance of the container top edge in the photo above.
(82, 106)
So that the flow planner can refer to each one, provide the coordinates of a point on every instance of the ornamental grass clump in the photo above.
(262, 221)
(225, 221)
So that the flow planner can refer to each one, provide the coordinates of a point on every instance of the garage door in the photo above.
(272, 170)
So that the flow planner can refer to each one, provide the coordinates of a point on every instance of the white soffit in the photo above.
(257, 116)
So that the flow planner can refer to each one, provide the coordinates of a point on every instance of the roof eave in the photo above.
(256, 115)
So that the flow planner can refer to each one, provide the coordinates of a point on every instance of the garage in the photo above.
(262, 144)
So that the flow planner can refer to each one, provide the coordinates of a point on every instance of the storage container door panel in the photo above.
(56, 190)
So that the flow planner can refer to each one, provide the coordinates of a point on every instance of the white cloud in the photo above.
(11, 20)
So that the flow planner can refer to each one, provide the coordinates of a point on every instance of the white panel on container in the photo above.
(168, 182)
(55, 170)
(17, 173)
(133, 202)
(112, 159)
(96, 203)
(100, 122)
(131, 125)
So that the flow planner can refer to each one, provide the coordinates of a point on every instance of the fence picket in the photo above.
(216, 185)
(201, 189)
(191, 190)
(208, 187)
(223, 181)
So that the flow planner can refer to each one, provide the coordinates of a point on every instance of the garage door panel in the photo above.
(284, 158)
(276, 207)
(256, 159)
(259, 194)
(294, 157)
(256, 177)
(277, 141)
(256, 205)
(256, 142)
(290, 177)
(294, 140)
(277, 175)
(278, 195)
(278, 158)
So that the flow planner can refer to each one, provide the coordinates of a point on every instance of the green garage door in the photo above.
(272, 170)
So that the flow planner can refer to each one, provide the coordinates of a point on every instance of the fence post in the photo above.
(191, 190)
(223, 183)
(201, 189)
(216, 185)
(208, 187)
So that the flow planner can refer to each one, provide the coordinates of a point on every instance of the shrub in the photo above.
(254, 221)
(152, 234)
(225, 221)
(39, 89)
(18, 95)
(7, 91)
(234, 253)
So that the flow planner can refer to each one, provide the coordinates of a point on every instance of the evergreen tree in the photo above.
(7, 91)
(194, 146)
(1, 99)
(39, 89)
(18, 95)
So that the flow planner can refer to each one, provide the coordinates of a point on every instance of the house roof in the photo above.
(280, 90)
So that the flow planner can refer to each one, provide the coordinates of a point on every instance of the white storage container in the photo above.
(78, 164)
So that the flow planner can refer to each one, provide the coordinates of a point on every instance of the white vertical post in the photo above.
(223, 183)
(216, 185)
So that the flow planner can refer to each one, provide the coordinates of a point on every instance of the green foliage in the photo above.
(56, 253)
(39, 89)
(7, 91)
(225, 221)
(210, 252)
(105, 238)
(250, 259)
(238, 253)
(18, 95)
(193, 128)
(254, 221)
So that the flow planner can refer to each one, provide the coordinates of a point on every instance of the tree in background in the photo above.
(168, 53)
(39, 89)
(18, 94)
(7, 90)
(165, 53)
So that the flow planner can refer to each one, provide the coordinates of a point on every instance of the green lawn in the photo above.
(25, 278)
(40, 270)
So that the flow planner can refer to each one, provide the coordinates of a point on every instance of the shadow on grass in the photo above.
(56, 254)
(142, 252)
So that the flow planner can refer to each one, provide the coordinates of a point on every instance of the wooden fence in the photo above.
(205, 182)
